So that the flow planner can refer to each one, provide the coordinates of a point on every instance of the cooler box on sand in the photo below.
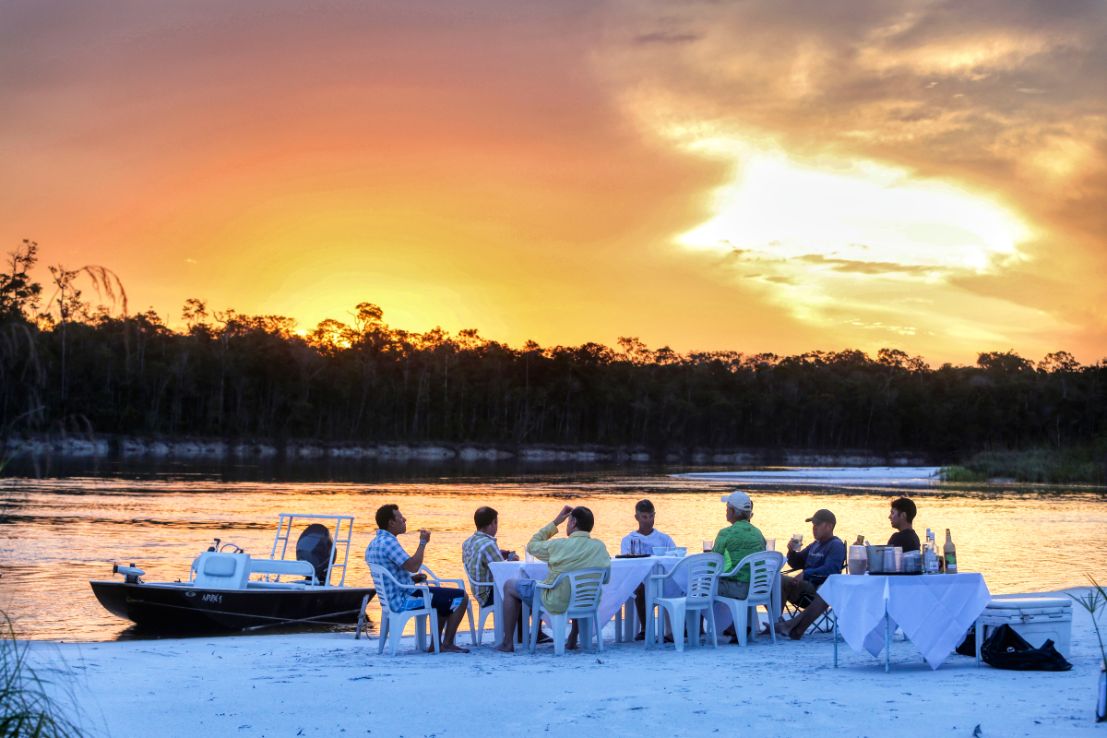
(1037, 619)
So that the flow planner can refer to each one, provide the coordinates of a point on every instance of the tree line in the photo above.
(70, 364)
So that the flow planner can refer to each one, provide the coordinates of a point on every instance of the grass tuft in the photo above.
(26, 708)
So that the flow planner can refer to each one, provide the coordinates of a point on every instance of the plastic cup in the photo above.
(708, 545)
(797, 539)
(770, 544)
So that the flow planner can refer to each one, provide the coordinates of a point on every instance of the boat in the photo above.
(230, 590)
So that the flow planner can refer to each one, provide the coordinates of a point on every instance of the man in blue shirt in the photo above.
(825, 556)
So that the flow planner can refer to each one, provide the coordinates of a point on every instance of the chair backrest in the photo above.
(383, 575)
(703, 575)
(586, 588)
(764, 572)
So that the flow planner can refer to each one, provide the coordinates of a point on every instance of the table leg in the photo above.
(887, 642)
(835, 642)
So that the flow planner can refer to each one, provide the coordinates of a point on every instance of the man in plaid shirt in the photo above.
(385, 552)
(481, 549)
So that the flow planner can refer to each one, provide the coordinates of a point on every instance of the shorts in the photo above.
(734, 589)
(489, 599)
(443, 599)
(525, 588)
(805, 594)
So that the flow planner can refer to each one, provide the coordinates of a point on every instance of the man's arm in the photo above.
(539, 545)
(416, 560)
(798, 559)
(832, 561)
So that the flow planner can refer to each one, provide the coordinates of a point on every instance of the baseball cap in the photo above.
(823, 516)
(738, 500)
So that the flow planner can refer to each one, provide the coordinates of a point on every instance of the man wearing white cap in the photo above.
(737, 541)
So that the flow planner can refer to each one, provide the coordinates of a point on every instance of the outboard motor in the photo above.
(314, 546)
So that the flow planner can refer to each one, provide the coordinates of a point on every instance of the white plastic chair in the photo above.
(496, 609)
(392, 623)
(764, 591)
(434, 580)
(585, 590)
(698, 600)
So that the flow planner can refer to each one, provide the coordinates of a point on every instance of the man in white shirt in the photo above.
(642, 541)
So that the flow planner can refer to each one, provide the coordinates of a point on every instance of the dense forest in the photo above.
(73, 359)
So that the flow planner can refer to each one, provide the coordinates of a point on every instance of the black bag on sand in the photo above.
(1006, 649)
(968, 646)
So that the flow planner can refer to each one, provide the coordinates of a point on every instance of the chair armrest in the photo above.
(423, 590)
(551, 585)
(455, 582)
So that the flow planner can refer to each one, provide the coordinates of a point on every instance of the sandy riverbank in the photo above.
(333, 685)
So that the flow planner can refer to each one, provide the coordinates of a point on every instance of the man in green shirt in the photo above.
(737, 541)
(578, 551)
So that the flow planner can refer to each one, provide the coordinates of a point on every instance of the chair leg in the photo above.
(741, 620)
(714, 630)
(469, 613)
(395, 631)
(599, 632)
(420, 637)
(559, 623)
(675, 611)
(651, 626)
(530, 638)
(433, 618)
(382, 637)
(498, 620)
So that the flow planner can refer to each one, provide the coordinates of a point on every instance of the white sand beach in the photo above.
(334, 685)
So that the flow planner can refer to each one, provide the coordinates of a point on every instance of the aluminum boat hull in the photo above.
(182, 608)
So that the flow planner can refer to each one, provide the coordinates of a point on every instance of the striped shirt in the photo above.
(478, 551)
(385, 552)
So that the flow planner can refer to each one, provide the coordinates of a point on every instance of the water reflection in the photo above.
(58, 533)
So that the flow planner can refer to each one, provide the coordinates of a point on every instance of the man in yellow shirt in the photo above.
(578, 551)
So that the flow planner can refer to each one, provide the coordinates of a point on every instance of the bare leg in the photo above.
(798, 625)
(512, 607)
(452, 624)
(640, 607)
(790, 589)
(574, 632)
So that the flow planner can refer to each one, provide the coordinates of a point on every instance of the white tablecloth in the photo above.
(934, 611)
(626, 575)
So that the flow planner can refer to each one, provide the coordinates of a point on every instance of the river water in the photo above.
(56, 533)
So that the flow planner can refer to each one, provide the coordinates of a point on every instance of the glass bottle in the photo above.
(949, 552)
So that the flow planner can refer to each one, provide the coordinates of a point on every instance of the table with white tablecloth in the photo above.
(626, 575)
(934, 611)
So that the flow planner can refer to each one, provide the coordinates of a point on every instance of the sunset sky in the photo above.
(755, 176)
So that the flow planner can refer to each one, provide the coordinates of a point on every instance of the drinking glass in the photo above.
(770, 544)
(797, 538)
(708, 544)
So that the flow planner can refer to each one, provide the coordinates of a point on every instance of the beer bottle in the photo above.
(950, 554)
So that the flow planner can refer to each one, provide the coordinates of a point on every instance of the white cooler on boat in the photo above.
(1037, 619)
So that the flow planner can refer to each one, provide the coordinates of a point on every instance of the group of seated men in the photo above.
(824, 556)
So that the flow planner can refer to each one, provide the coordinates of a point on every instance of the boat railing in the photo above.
(343, 526)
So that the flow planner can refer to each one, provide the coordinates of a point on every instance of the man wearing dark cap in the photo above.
(824, 556)
(642, 541)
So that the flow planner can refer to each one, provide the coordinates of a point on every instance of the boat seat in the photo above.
(284, 566)
(216, 570)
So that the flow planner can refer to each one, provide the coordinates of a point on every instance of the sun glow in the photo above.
(855, 212)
